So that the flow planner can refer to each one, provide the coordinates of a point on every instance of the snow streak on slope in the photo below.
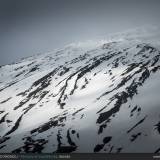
(104, 99)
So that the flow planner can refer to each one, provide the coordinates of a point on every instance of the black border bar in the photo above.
(81, 156)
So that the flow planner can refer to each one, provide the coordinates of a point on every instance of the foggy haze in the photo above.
(29, 27)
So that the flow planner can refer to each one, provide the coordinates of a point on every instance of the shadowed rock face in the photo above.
(100, 100)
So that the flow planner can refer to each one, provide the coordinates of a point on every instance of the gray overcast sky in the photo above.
(28, 27)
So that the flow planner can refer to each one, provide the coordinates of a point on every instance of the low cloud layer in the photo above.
(30, 27)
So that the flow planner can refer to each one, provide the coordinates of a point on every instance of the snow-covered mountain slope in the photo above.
(103, 99)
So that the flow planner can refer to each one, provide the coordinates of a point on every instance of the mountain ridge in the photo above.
(102, 99)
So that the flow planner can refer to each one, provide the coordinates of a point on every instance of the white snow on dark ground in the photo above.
(95, 96)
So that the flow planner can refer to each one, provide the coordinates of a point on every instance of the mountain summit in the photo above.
(103, 98)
